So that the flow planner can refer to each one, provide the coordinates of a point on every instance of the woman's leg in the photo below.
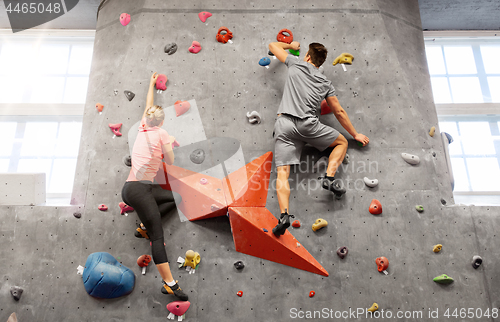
(165, 199)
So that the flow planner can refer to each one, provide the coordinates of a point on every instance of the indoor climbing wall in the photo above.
(387, 95)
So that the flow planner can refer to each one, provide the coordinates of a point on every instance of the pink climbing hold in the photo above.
(181, 107)
(102, 207)
(175, 144)
(125, 208)
(325, 109)
(178, 308)
(161, 82)
(124, 18)
(203, 181)
(204, 16)
(115, 128)
(195, 47)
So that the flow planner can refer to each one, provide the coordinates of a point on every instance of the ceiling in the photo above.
(435, 15)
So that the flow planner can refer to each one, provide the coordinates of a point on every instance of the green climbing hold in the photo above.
(294, 52)
(359, 143)
(419, 208)
(443, 279)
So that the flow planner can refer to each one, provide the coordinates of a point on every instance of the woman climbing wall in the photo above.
(149, 200)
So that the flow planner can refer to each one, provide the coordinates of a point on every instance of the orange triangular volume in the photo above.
(202, 195)
(247, 186)
(247, 224)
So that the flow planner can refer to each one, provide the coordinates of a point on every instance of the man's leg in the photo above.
(283, 187)
(337, 155)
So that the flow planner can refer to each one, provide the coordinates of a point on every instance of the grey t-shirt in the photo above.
(304, 90)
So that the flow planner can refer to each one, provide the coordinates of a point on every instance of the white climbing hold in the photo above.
(410, 158)
(80, 269)
(254, 117)
(346, 159)
(370, 182)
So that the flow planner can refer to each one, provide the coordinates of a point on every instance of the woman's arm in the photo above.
(150, 97)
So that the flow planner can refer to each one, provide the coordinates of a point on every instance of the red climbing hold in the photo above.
(296, 224)
(125, 208)
(102, 207)
(312, 293)
(204, 16)
(375, 207)
(99, 107)
(224, 38)
(240, 293)
(161, 82)
(325, 108)
(124, 18)
(115, 128)
(143, 260)
(284, 38)
(195, 47)
(178, 308)
(181, 107)
(382, 263)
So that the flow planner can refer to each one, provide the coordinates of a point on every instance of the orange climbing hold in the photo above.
(283, 37)
(375, 207)
(296, 224)
(181, 107)
(224, 38)
(240, 293)
(312, 293)
(99, 107)
(115, 128)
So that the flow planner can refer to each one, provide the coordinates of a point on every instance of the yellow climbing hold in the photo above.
(192, 259)
(431, 132)
(437, 248)
(373, 308)
(319, 223)
(345, 58)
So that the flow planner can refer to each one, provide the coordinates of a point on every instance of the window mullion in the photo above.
(481, 73)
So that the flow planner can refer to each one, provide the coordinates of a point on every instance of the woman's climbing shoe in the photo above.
(336, 186)
(141, 232)
(283, 224)
(175, 290)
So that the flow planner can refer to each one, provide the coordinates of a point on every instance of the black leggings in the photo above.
(151, 202)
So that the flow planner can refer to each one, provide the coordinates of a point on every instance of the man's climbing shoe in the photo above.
(175, 290)
(283, 224)
(336, 186)
(141, 232)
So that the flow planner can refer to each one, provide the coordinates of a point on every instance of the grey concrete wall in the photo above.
(43, 246)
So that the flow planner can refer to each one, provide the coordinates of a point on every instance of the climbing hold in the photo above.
(342, 252)
(115, 128)
(375, 207)
(239, 265)
(105, 277)
(99, 107)
(161, 82)
(181, 107)
(431, 132)
(192, 259)
(443, 279)
(124, 208)
(419, 208)
(346, 159)
(124, 18)
(240, 293)
(102, 207)
(319, 223)
(129, 95)
(175, 144)
(177, 308)
(296, 224)
(437, 248)
(411, 159)
(116, 92)
(197, 156)
(325, 108)
(443, 202)
(204, 15)
(143, 262)
(16, 292)
(382, 263)
(265, 230)
(294, 52)
(195, 47)
(77, 215)
(285, 35)
(476, 261)
(270, 53)
(203, 181)
(312, 293)
(264, 61)
(373, 308)
(12, 317)
(344, 58)
(171, 48)
(372, 183)
(223, 35)
(253, 117)
(359, 144)
(127, 160)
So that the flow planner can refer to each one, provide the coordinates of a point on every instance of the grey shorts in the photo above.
(292, 133)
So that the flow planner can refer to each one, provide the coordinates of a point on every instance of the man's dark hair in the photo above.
(318, 53)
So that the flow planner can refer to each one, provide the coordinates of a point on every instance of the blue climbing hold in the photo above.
(104, 277)
(264, 61)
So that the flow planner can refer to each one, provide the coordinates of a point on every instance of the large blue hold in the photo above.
(104, 277)
(264, 61)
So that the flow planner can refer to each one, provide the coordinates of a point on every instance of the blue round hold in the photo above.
(264, 61)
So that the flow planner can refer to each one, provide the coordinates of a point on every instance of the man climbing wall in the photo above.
(297, 123)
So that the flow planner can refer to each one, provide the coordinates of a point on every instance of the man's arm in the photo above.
(344, 120)
(150, 97)
(278, 49)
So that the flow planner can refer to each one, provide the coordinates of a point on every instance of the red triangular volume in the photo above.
(247, 186)
(247, 224)
(202, 195)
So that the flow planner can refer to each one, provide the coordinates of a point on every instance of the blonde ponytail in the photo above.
(154, 116)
